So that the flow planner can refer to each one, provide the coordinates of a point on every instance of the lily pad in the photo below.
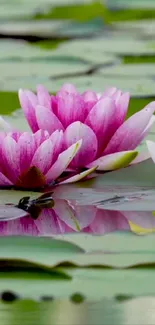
(138, 87)
(12, 196)
(123, 45)
(121, 310)
(17, 120)
(127, 251)
(132, 4)
(129, 71)
(142, 28)
(75, 10)
(18, 70)
(50, 28)
(142, 174)
(30, 27)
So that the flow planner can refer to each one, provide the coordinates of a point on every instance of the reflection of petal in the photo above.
(143, 219)
(24, 227)
(76, 217)
(49, 224)
(108, 221)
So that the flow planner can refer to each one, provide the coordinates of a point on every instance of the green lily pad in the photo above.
(132, 4)
(50, 28)
(142, 174)
(121, 310)
(75, 10)
(129, 71)
(128, 251)
(121, 45)
(16, 120)
(140, 28)
(30, 27)
(13, 196)
(16, 71)
(138, 87)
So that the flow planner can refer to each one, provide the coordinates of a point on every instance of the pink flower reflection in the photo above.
(107, 221)
(68, 217)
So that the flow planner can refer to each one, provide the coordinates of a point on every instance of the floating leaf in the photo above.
(138, 87)
(130, 71)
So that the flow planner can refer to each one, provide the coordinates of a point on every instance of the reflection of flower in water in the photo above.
(67, 217)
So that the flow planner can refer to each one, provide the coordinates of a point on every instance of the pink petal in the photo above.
(101, 120)
(148, 127)
(4, 181)
(109, 92)
(32, 97)
(90, 99)
(62, 162)
(142, 156)
(44, 99)
(43, 156)
(88, 150)
(11, 158)
(129, 134)
(151, 105)
(151, 149)
(40, 136)
(116, 96)
(76, 217)
(78, 177)
(26, 147)
(48, 223)
(122, 104)
(70, 108)
(114, 161)
(142, 218)
(57, 140)
(15, 135)
(108, 221)
(69, 88)
(54, 106)
(28, 101)
(47, 120)
(89, 96)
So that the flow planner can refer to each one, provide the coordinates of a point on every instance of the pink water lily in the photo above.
(33, 160)
(108, 140)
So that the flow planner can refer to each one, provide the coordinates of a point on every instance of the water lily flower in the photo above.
(33, 160)
(108, 140)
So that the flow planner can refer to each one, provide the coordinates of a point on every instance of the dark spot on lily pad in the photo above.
(77, 298)
(9, 296)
